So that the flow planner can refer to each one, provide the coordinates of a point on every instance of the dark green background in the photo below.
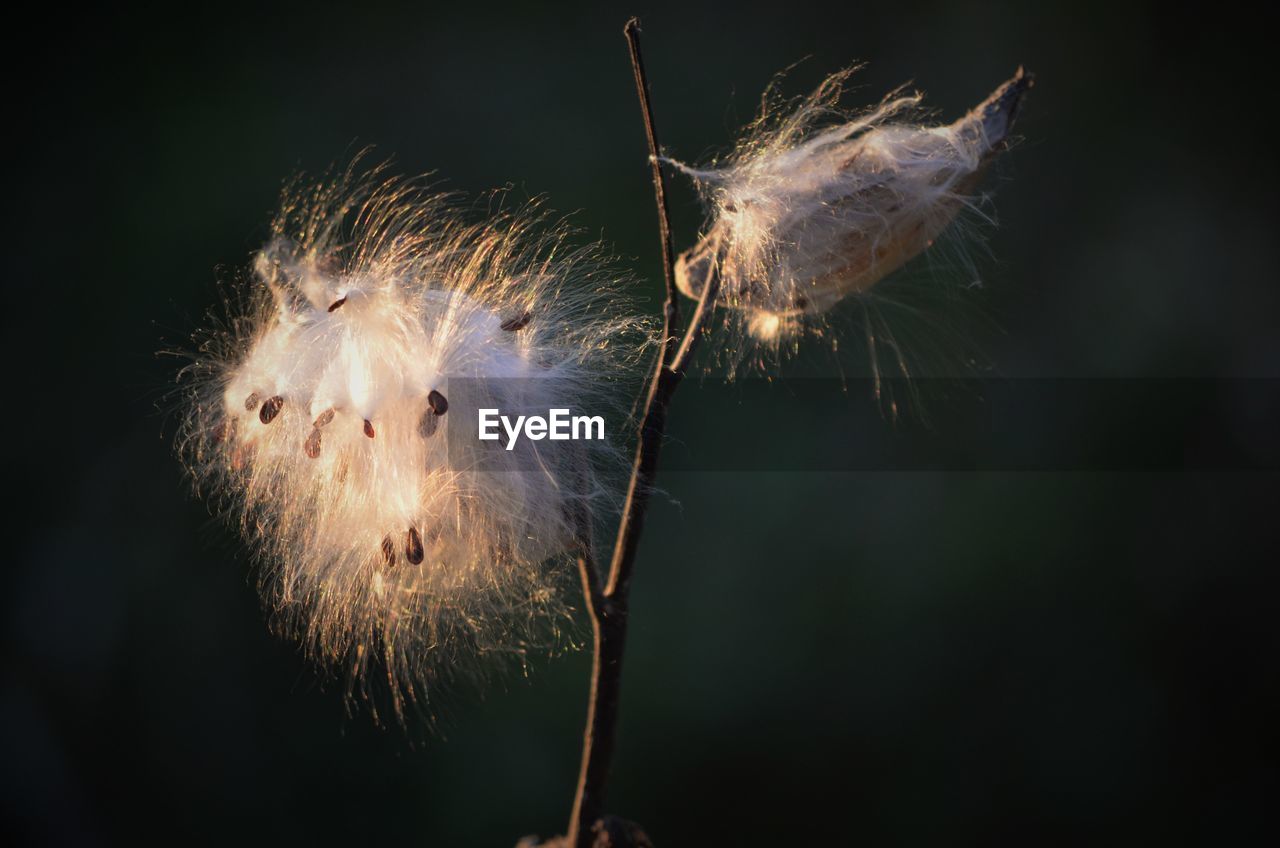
(876, 658)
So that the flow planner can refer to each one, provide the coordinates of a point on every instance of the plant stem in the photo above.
(671, 308)
(608, 604)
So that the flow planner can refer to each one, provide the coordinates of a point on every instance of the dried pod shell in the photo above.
(804, 218)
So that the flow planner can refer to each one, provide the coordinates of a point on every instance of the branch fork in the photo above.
(606, 595)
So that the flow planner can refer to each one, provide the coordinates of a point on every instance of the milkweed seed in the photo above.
(312, 444)
(439, 405)
(511, 325)
(270, 409)
(413, 547)
(427, 424)
(368, 428)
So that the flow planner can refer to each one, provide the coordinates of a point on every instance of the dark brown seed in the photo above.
(388, 551)
(518, 323)
(333, 306)
(251, 401)
(312, 444)
(368, 428)
(270, 409)
(324, 418)
(437, 402)
(427, 424)
(413, 547)
(801, 301)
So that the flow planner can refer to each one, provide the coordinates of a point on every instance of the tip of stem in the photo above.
(632, 25)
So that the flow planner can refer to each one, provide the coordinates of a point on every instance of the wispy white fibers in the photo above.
(320, 413)
(817, 205)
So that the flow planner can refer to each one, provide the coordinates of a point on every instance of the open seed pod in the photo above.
(335, 418)
(802, 218)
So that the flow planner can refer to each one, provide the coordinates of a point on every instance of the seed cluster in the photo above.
(316, 419)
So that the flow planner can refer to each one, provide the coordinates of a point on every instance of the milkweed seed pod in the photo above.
(806, 213)
(321, 417)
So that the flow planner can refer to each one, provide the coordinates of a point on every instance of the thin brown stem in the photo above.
(609, 608)
(609, 635)
(697, 324)
(671, 308)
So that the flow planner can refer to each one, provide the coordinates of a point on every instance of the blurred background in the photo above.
(910, 655)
